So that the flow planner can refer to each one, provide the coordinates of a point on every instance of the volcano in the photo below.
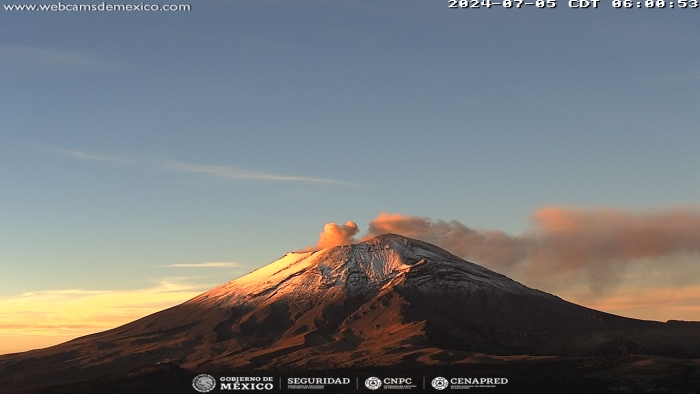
(390, 301)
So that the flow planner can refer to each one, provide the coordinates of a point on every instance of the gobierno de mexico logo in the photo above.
(204, 383)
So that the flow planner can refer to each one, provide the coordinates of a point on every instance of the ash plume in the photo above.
(495, 248)
(563, 245)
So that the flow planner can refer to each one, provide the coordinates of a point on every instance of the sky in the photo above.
(146, 157)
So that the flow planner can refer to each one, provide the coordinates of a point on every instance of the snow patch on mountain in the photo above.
(386, 260)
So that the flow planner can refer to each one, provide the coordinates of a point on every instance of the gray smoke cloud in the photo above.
(595, 245)
(495, 248)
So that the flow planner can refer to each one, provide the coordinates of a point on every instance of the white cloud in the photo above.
(210, 264)
(38, 59)
(78, 155)
(219, 171)
(229, 172)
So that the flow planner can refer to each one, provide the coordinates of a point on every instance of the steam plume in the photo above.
(337, 234)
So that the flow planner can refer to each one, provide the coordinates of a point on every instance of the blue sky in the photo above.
(132, 141)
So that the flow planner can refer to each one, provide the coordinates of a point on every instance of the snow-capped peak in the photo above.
(360, 268)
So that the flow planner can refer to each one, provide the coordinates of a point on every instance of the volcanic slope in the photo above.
(390, 300)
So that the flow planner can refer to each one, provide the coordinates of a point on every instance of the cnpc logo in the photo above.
(374, 382)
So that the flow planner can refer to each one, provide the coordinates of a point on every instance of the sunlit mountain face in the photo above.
(388, 302)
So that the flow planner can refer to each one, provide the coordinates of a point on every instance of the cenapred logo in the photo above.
(204, 383)
(440, 383)
(373, 383)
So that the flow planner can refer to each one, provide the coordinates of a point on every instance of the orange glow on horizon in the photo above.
(39, 319)
(653, 303)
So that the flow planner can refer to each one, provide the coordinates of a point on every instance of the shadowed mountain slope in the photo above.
(390, 300)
